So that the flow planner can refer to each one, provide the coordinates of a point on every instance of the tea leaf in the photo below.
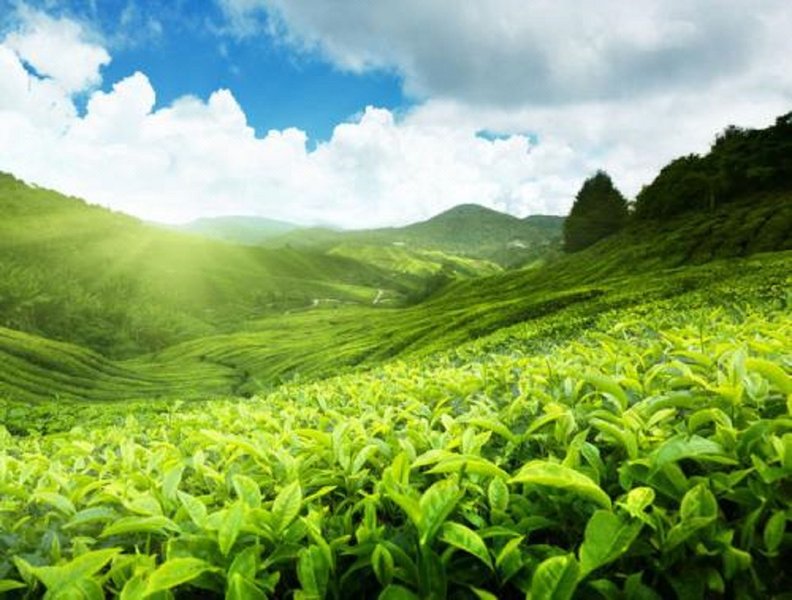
(175, 572)
(464, 538)
(555, 579)
(560, 477)
(607, 538)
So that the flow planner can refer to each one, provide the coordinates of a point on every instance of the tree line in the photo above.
(741, 162)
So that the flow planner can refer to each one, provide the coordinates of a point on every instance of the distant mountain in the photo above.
(238, 229)
(466, 230)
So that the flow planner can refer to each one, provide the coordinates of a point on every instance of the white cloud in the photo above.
(512, 52)
(200, 157)
(58, 49)
(625, 86)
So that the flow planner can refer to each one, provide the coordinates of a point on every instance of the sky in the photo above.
(363, 113)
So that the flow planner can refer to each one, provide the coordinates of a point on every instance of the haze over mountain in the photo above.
(240, 229)
(466, 230)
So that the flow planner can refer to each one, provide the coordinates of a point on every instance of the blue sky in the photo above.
(369, 112)
(185, 48)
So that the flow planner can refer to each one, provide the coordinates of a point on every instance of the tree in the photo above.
(599, 210)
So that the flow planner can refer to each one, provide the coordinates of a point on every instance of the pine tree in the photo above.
(599, 210)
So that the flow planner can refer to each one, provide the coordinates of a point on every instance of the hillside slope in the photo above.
(314, 344)
(466, 230)
(84, 274)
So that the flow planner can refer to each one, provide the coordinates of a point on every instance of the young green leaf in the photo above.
(175, 572)
(470, 464)
(774, 531)
(382, 563)
(134, 588)
(435, 505)
(397, 592)
(171, 481)
(772, 372)
(286, 507)
(62, 503)
(246, 563)
(139, 525)
(553, 475)
(608, 385)
(695, 447)
(194, 507)
(313, 571)
(247, 490)
(607, 538)
(498, 495)
(555, 578)
(82, 567)
(230, 527)
(466, 539)
(242, 588)
(6, 585)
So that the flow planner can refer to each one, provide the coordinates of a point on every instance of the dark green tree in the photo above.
(740, 164)
(599, 210)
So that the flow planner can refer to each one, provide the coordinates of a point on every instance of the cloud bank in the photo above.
(509, 52)
(620, 86)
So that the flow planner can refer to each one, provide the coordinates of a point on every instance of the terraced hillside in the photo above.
(319, 343)
(35, 368)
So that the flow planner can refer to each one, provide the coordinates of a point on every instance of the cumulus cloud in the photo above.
(625, 86)
(512, 52)
(57, 49)
(200, 156)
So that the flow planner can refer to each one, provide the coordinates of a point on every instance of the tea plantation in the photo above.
(638, 452)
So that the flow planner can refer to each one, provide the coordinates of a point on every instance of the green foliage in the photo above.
(741, 162)
(308, 345)
(599, 211)
(487, 471)
(571, 432)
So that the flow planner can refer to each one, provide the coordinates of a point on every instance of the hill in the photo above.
(475, 230)
(238, 229)
(308, 345)
(468, 230)
(83, 274)
(86, 275)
